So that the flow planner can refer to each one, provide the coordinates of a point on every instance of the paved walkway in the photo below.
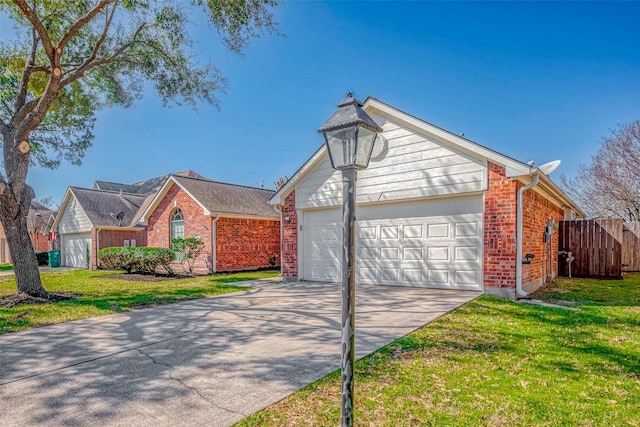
(207, 362)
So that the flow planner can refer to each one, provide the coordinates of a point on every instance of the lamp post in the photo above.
(349, 135)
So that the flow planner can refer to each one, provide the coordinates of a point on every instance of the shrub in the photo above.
(141, 258)
(117, 258)
(42, 257)
(189, 249)
(149, 259)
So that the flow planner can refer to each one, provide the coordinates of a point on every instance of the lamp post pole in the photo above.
(348, 292)
(349, 135)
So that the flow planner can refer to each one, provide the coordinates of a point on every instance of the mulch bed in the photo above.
(23, 299)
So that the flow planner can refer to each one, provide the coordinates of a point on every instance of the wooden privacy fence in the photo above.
(631, 246)
(596, 246)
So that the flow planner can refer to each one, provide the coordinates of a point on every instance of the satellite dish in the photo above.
(548, 168)
(380, 148)
(118, 217)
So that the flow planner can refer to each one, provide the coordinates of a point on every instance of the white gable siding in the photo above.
(74, 219)
(414, 166)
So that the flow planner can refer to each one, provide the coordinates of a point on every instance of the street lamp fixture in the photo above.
(349, 135)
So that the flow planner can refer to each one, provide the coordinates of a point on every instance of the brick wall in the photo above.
(499, 233)
(242, 244)
(536, 211)
(195, 224)
(113, 238)
(290, 238)
(247, 244)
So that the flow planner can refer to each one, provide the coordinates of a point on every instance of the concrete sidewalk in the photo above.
(206, 362)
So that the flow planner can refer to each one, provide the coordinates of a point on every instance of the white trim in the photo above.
(163, 192)
(513, 168)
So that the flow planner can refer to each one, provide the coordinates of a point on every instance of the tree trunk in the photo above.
(25, 264)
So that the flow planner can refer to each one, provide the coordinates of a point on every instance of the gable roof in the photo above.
(102, 207)
(218, 198)
(514, 168)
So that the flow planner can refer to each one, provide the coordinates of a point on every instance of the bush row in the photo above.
(140, 258)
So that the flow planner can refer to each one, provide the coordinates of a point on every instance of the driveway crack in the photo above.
(185, 385)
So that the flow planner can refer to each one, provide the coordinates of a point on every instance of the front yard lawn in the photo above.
(101, 295)
(497, 363)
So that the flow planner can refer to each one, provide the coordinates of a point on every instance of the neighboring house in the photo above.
(37, 225)
(90, 220)
(103, 216)
(434, 210)
(239, 229)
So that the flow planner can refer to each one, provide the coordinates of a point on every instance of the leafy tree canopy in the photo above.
(103, 52)
(70, 58)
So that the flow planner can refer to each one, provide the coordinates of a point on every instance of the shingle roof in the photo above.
(38, 217)
(102, 207)
(146, 187)
(219, 197)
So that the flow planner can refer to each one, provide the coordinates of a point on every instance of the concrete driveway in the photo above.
(206, 362)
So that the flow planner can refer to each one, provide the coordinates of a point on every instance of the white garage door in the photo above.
(431, 244)
(322, 245)
(73, 249)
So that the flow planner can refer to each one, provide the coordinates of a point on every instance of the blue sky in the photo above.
(536, 81)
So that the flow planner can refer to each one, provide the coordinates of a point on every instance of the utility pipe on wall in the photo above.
(532, 184)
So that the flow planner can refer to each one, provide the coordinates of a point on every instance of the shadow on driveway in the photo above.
(209, 362)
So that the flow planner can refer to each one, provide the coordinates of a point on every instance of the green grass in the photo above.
(497, 363)
(102, 295)
(6, 267)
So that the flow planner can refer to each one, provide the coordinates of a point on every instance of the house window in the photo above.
(177, 225)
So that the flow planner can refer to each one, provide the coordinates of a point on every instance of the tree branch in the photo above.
(114, 57)
(23, 88)
(84, 20)
(39, 27)
(103, 36)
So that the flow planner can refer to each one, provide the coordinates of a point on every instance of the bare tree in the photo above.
(610, 185)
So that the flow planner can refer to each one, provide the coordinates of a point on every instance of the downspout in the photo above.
(97, 247)
(278, 208)
(213, 244)
(519, 289)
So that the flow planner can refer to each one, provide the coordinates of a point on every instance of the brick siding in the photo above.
(500, 230)
(290, 237)
(242, 244)
(537, 210)
(247, 244)
(113, 238)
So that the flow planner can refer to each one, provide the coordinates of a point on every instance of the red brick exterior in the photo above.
(39, 241)
(113, 238)
(247, 244)
(500, 209)
(536, 212)
(500, 230)
(242, 244)
(290, 237)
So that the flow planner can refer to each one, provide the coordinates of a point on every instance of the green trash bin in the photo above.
(54, 258)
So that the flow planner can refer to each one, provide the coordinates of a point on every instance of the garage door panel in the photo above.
(73, 249)
(440, 251)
